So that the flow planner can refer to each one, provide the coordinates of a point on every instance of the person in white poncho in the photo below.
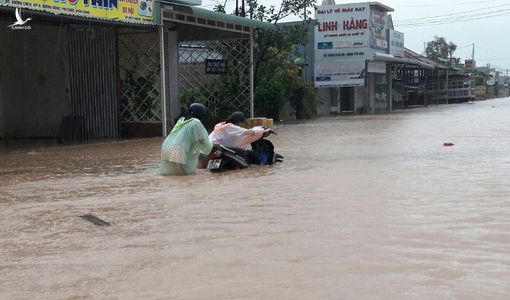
(230, 133)
(181, 148)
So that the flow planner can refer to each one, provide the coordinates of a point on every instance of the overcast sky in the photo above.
(463, 22)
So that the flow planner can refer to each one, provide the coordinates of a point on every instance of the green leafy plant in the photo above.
(190, 96)
(276, 77)
(138, 95)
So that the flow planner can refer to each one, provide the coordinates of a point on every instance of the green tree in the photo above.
(480, 77)
(276, 76)
(219, 8)
(441, 50)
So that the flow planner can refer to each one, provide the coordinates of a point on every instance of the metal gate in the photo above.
(222, 94)
(139, 69)
(94, 105)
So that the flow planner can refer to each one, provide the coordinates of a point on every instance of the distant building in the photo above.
(347, 74)
(470, 64)
(494, 79)
(359, 64)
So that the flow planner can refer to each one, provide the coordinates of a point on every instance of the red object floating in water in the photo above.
(448, 144)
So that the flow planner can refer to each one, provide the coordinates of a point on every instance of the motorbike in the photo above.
(224, 158)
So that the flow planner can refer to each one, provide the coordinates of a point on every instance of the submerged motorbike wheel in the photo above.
(228, 159)
(265, 148)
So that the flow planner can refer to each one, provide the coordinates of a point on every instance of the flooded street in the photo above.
(365, 207)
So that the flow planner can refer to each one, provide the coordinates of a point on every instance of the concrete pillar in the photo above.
(173, 78)
(389, 79)
(447, 86)
(426, 97)
(371, 92)
(339, 99)
(164, 123)
(334, 99)
(252, 79)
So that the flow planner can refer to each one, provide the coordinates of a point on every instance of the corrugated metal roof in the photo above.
(406, 60)
(184, 2)
(216, 16)
(411, 54)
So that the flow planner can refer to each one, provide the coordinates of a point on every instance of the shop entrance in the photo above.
(347, 100)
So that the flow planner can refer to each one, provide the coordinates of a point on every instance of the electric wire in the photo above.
(454, 14)
(460, 18)
(457, 17)
(455, 21)
(212, 3)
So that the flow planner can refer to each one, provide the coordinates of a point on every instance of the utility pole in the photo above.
(447, 87)
(240, 12)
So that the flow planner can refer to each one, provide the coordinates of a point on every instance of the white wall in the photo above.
(326, 102)
(329, 99)
(360, 100)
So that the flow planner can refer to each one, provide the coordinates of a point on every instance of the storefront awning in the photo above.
(405, 60)
(207, 18)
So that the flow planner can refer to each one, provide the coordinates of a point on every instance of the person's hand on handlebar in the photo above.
(215, 153)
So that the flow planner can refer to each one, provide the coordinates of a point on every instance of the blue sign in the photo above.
(322, 78)
(325, 45)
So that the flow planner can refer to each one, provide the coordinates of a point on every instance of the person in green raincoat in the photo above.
(188, 138)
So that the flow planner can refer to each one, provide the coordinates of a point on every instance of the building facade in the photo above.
(93, 70)
(361, 65)
(347, 73)
(59, 65)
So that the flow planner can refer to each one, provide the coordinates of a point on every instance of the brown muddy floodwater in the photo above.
(366, 207)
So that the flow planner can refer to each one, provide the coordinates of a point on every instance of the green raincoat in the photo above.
(181, 148)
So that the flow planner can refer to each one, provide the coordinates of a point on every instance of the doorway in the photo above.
(347, 99)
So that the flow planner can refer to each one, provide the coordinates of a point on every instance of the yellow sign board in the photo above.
(132, 11)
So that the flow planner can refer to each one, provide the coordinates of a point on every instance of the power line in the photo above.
(468, 15)
(458, 19)
(464, 47)
(490, 59)
(452, 14)
(445, 3)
